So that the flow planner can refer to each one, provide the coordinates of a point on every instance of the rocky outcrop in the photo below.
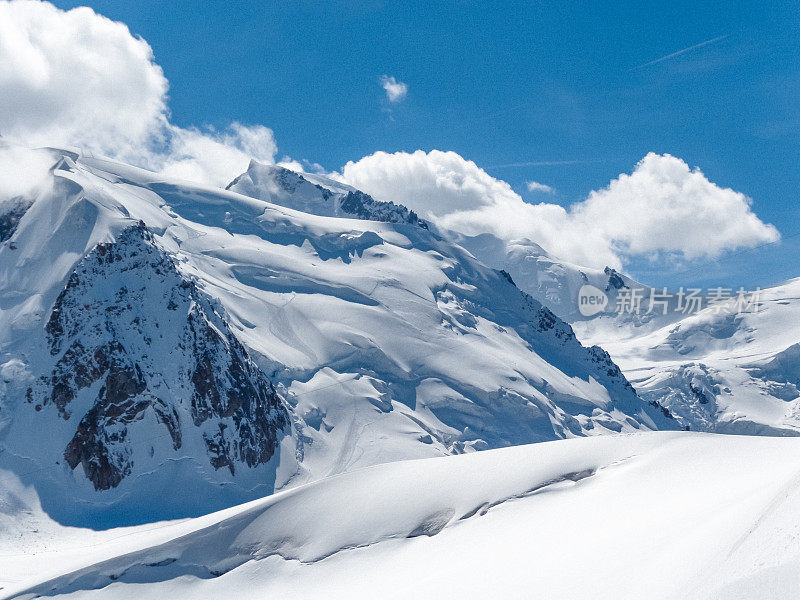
(227, 386)
(615, 280)
(153, 358)
(10, 214)
(363, 206)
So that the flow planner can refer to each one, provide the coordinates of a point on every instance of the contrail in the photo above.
(541, 163)
(679, 52)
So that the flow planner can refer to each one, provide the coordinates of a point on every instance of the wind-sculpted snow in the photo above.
(656, 515)
(552, 282)
(717, 370)
(145, 322)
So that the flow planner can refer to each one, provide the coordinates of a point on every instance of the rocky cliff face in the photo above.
(132, 342)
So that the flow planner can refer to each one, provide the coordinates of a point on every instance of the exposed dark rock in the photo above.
(11, 214)
(154, 347)
(698, 393)
(507, 277)
(364, 206)
(98, 442)
(356, 204)
(615, 281)
(219, 449)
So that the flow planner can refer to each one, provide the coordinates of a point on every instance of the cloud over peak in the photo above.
(662, 207)
(73, 77)
(76, 76)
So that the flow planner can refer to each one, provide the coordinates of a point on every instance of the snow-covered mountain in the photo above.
(293, 354)
(161, 340)
(553, 282)
(720, 369)
(716, 371)
(656, 515)
(316, 195)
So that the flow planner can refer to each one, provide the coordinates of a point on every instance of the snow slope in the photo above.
(551, 281)
(715, 371)
(656, 515)
(204, 348)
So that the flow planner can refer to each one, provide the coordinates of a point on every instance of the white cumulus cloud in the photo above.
(395, 90)
(663, 206)
(77, 78)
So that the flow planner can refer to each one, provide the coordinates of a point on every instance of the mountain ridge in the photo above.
(368, 330)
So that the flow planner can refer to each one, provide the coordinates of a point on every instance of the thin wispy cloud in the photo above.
(679, 53)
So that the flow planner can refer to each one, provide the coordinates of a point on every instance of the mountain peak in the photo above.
(316, 194)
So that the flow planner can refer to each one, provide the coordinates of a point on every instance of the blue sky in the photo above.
(511, 86)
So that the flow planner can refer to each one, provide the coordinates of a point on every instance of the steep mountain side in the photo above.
(721, 369)
(552, 282)
(717, 370)
(109, 329)
(145, 323)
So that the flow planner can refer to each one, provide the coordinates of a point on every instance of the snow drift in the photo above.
(661, 515)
